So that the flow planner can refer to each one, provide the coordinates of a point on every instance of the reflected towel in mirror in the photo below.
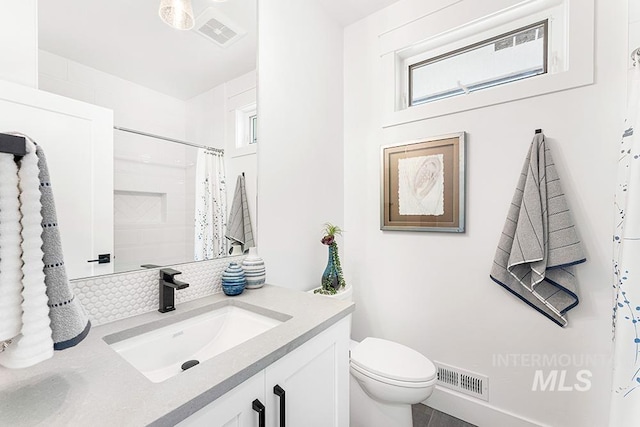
(239, 229)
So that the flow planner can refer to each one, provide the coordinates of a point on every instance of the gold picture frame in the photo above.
(423, 185)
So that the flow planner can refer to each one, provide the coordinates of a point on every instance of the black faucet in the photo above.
(167, 286)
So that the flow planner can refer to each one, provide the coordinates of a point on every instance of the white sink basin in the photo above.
(158, 350)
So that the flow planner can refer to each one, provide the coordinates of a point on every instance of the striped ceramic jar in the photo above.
(254, 270)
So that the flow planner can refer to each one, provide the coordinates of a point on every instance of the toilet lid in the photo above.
(389, 359)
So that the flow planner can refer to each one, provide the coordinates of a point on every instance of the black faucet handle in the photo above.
(168, 273)
(168, 284)
(180, 285)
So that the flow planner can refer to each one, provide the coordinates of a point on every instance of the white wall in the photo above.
(634, 25)
(154, 205)
(300, 138)
(19, 46)
(134, 106)
(205, 114)
(432, 291)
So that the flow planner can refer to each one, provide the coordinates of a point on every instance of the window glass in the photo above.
(254, 129)
(246, 123)
(516, 55)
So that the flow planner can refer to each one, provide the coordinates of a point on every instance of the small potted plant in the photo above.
(332, 278)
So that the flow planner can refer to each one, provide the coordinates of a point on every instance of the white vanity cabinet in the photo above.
(315, 381)
(232, 409)
(315, 378)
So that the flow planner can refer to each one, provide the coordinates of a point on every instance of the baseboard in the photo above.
(476, 411)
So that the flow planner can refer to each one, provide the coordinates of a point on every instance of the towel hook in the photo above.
(538, 130)
(13, 144)
(635, 56)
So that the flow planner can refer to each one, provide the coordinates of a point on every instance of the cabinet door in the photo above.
(234, 409)
(315, 378)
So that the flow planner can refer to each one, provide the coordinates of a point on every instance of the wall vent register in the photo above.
(466, 382)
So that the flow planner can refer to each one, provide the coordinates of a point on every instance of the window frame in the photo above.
(253, 129)
(571, 60)
(544, 23)
(244, 126)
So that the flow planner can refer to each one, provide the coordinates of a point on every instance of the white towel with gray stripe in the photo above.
(539, 244)
(239, 225)
(69, 322)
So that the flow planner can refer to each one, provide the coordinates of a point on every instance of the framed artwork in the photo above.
(422, 186)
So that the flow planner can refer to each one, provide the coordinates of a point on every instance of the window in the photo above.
(254, 129)
(246, 125)
(441, 47)
(241, 120)
(516, 55)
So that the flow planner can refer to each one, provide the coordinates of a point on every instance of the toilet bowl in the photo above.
(386, 379)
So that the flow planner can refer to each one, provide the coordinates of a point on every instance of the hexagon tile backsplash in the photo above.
(117, 296)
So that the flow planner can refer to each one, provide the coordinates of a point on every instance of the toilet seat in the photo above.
(392, 363)
(389, 381)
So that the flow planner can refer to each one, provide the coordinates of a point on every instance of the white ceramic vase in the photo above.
(254, 270)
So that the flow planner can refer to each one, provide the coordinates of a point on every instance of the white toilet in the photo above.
(386, 379)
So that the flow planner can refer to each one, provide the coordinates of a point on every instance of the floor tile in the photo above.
(439, 419)
(421, 415)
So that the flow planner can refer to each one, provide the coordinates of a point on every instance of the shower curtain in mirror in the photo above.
(211, 206)
(625, 399)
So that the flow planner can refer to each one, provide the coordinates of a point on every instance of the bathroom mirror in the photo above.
(166, 87)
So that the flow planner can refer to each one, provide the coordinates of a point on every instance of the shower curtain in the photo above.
(211, 206)
(625, 398)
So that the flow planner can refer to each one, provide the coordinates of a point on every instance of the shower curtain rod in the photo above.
(137, 132)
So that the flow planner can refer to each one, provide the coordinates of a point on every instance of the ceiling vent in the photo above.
(218, 28)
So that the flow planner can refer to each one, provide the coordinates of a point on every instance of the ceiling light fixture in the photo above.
(177, 13)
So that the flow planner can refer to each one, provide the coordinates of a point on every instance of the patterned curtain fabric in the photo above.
(211, 206)
(625, 400)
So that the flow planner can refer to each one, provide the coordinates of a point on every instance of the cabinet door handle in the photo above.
(279, 391)
(259, 408)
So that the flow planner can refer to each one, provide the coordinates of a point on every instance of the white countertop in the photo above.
(91, 385)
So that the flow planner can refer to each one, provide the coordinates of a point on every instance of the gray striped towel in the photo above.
(69, 323)
(539, 243)
(239, 225)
